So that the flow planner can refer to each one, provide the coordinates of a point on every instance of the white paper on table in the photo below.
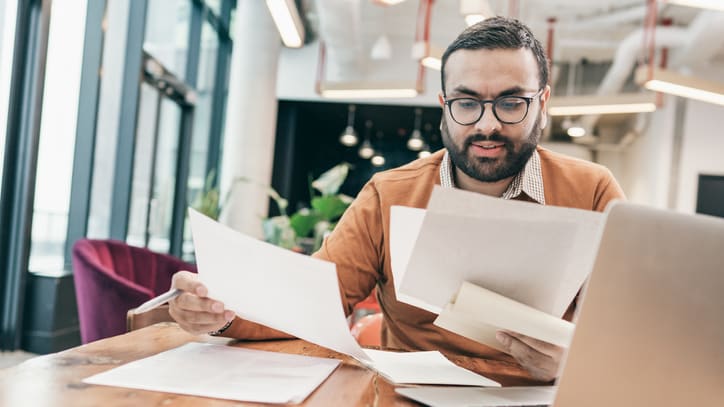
(224, 372)
(465, 318)
(275, 287)
(292, 293)
(472, 396)
(424, 368)
(535, 254)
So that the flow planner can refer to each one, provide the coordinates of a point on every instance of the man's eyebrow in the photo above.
(465, 91)
(515, 90)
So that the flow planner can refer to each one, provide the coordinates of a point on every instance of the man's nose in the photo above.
(488, 123)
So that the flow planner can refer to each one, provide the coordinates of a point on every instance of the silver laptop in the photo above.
(650, 329)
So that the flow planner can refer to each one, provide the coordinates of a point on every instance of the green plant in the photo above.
(305, 229)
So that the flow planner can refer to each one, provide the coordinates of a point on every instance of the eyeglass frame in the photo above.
(528, 100)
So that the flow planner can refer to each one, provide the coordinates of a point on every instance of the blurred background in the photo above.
(116, 115)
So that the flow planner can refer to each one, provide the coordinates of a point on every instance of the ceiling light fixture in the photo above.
(425, 152)
(378, 160)
(388, 2)
(475, 11)
(433, 59)
(382, 49)
(595, 105)
(576, 131)
(360, 90)
(286, 17)
(349, 135)
(415, 142)
(351, 91)
(665, 81)
(706, 4)
(365, 150)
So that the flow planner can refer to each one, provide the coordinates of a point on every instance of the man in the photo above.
(494, 97)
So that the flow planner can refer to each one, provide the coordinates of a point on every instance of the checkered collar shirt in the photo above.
(528, 180)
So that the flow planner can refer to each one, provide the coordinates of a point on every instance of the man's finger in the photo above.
(537, 344)
(189, 282)
(191, 302)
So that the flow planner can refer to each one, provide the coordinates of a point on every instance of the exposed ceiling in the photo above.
(595, 43)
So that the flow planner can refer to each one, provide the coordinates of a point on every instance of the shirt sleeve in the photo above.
(607, 191)
(356, 247)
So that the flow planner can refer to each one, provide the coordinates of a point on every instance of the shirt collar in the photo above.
(528, 180)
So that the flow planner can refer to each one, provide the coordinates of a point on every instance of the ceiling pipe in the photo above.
(704, 42)
(625, 60)
(340, 29)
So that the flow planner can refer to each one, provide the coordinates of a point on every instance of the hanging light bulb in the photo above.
(365, 150)
(378, 160)
(576, 131)
(424, 152)
(381, 49)
(349, 135)
(415, 142)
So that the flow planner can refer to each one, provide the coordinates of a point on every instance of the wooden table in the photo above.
(55, 379)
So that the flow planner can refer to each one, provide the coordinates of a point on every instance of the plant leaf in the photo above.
(329, 207)
(303, 222)
(329, 182)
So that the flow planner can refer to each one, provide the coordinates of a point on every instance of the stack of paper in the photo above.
(508, 264)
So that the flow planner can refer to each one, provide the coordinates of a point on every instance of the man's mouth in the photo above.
(489, 146)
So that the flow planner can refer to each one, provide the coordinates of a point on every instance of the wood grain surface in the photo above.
(56, 379)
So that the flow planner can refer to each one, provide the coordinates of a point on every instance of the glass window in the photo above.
(57, 135)
(164, 183)
(109, 107)
(215, 6)
(202, 119)
(142, 165)
(167, 33)
(8, 10)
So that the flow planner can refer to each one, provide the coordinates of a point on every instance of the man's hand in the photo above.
(540, 358)
(193, 311)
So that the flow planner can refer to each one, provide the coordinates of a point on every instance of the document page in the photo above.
(471, 396)
(424, 368)
(478, 314)
(281, 289)
(299, 295)
(534, 254)
(224, 372)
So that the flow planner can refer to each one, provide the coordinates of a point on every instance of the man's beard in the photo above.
(487, 169)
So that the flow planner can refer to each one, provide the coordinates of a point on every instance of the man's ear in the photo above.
(441, 99)
(544, 97)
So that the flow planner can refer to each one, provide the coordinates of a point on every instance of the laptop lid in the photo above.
(650, 331)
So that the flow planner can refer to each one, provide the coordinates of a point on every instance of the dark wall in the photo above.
(710, 197)
(307, 142)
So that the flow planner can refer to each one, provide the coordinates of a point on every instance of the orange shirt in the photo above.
(359, 245)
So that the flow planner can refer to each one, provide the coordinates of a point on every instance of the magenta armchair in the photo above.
(112, 277)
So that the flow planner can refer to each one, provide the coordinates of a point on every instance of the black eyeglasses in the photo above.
(507, 109)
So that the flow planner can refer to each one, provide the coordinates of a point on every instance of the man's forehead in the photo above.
(491, 71)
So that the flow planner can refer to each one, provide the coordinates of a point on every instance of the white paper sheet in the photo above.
(288, 291)
(405, 224)
(424, 368)
(224, 372)
(471, 396)
(534, 254)
(299, 295)
(465, 318)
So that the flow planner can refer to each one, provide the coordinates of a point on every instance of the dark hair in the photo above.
(499, 33)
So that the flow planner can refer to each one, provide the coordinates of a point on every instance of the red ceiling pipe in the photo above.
(549, 46)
